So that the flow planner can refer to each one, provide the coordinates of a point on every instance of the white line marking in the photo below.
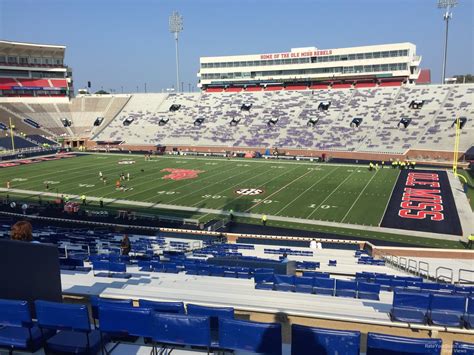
(358, 197)
(333, 191)
(309, 188)
(389, 198)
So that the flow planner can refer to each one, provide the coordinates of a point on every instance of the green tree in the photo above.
(467, 78)
(102, 92)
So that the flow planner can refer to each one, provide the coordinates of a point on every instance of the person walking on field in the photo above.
(470, 241)
(264, 220)
(83, 199)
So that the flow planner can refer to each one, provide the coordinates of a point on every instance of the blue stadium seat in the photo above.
(72, 321)
(214, 314)
(304, 284)
(394, 283)
(180, 329)
(469, 316)
(324, 286)
(17, 329)
(410, 307)
(97, 301)
(308, 340)
(204, 270)
(463, 348)
(332, 263)
(113, 269)
(130, 321)
(447, 310)
(346, 288)
(284, 282)
(316, 274)
(243, 273)
(261, 338)
(217, 271)
(163, 307)
(144, 265)
(260, 277)
(381, 344)
(368, 291)
(264, 281)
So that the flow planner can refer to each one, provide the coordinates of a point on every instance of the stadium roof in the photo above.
(28, 47)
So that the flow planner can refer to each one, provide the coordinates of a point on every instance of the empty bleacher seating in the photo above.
(308, 340)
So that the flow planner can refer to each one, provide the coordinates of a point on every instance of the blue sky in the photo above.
(116, 43)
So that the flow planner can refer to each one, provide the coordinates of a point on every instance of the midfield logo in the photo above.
(181, 174)
(249, 192)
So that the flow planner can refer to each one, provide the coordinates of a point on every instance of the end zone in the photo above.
(422, 200)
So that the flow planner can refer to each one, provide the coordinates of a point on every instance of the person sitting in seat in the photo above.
(23, 231)
(125, 245)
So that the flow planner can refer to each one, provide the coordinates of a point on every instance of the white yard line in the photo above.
(358, 197)
(309, 188)
(220, 207)
(277, 191)
(253, 177)
(333, 191)
(193, 181)
(389, 198)
(218, 182)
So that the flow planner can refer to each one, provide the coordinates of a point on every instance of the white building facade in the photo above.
(386, 64)
(30, 69)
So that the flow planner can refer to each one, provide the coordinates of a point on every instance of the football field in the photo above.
(307, 190)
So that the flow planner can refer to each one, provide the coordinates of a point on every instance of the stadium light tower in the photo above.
(176, 26)
(448, 5)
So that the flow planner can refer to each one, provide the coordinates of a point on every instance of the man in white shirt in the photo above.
(313, 245)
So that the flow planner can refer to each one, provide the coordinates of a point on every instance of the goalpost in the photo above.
(457, 137)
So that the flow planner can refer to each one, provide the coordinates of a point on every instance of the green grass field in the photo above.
(335, 193)
(327, 192)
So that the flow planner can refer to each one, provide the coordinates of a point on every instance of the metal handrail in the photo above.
(442, 276)
(404, 266)
(461, 279)
(411, 267)
(427, 270)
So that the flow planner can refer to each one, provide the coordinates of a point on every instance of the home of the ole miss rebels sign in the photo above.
(303, 54)
(422, 200)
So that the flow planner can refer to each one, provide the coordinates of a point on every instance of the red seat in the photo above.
(296, 87)
(274, 88)
(341, 86)
(365, 85)
(59, 83)
(34, 82)
(254, 88)
(319, 87)
(390, 83)
(233, 89)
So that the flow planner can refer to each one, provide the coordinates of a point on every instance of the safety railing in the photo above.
(423, 269)
(403, 262)
(445, 278)
(412, 266)
(66, 250)
(461, 279)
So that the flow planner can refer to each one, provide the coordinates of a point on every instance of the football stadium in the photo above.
(288, 201)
